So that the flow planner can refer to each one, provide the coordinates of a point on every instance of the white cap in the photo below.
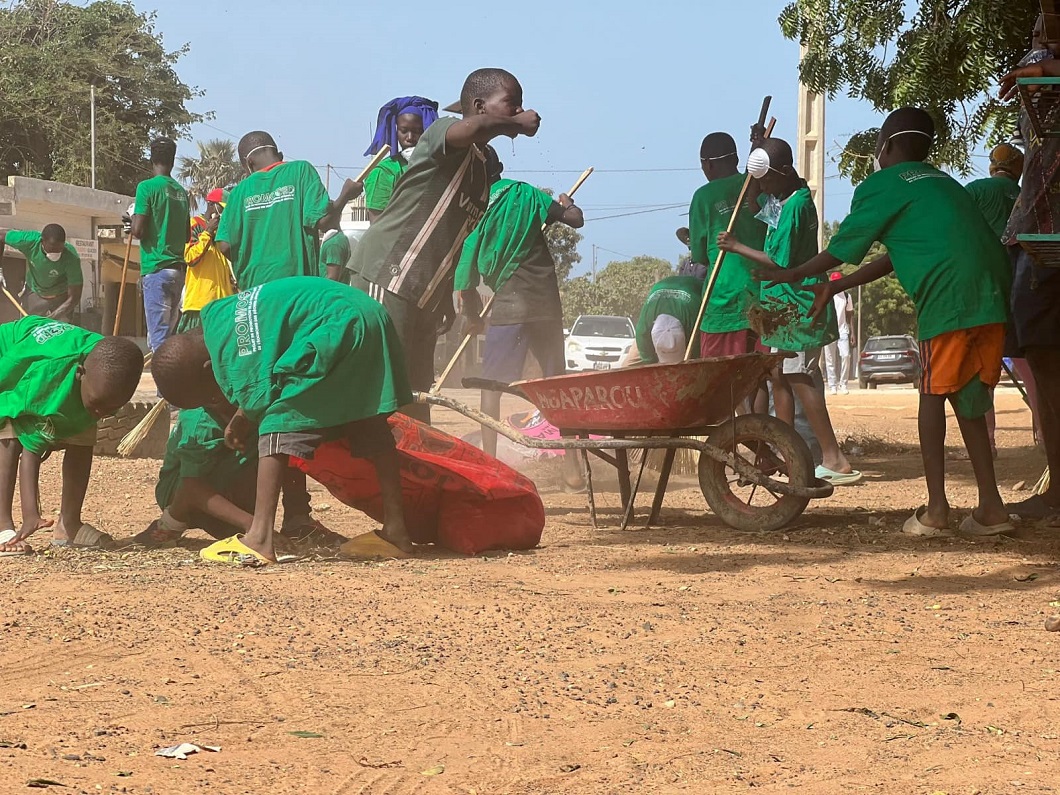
(669, 340)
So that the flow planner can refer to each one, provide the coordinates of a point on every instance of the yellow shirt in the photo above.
(208, 276)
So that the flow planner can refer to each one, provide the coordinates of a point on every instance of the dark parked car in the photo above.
(890, 360)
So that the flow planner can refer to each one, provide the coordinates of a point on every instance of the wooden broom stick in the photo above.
(379, 157)
(489, 304)
(694, 336)
(17, 305)
(121, 289)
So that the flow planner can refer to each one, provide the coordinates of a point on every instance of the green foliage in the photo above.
(50, 53)
(888, 309)
(217, 166)
(946, 57)
(619, 289)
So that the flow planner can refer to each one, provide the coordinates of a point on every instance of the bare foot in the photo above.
(15, 547)
(398, 536)
(937, 518)
(30, 527)
(990, 517)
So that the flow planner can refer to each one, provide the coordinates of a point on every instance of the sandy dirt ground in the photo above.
(836, 656)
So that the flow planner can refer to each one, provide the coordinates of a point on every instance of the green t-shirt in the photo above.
(196, 449)
(677, 296)
(270, 222)
(305, 353)
(509, 233)
(381, 182)
(792, 243)
(335, 251)
(40, 395)
(735, 288)
(995, 196)
(44, 277)
(412, 248)
(945, 255)
(164, 204)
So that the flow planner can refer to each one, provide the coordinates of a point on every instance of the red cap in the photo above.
(216, 195)
(834, 277)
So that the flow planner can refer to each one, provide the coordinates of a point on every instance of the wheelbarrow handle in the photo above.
(487, 385)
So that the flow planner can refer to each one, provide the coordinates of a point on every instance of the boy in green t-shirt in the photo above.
(297, 362)
(56, 381)
(161, 219)
(202, 483)
(53, 279)
(726, 330)
(407, 257)
(272, 220)
(790, 242)
(401, 124)
(950, 262)
(335, 256)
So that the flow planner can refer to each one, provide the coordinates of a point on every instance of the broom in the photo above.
(135, 437)
(686, 462)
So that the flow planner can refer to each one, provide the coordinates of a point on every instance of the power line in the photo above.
(637, 212)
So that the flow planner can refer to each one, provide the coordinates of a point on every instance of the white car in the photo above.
(598, 342)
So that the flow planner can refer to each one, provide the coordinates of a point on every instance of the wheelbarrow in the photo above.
(755, 471)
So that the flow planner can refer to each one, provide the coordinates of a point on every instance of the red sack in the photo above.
(453, 493)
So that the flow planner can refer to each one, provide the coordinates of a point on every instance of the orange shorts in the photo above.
(953, 359)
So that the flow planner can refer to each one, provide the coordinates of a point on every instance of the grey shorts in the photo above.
(367, 439)
(806, 363)
(83, 439)
(39, 305)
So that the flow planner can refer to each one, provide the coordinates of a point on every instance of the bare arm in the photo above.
(728, 242)
(823, 293)
(822, 263)
(335, 273)
(350, 191)
(73, 299)
(1050, 68)
(138, 222)
(484, 128)
(224, 248)
(565, 211)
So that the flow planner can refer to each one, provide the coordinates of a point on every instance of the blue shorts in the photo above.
(1035, 303)
(506, 347)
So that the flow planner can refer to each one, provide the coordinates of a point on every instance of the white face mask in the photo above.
(407, 153)
(54, 257)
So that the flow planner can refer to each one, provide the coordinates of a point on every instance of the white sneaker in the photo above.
(833, 390)
(843, 390)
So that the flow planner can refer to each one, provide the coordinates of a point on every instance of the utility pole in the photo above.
(594, 263)
(811, 147)
(92, 117)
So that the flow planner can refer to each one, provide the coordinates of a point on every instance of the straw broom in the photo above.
(135, 437)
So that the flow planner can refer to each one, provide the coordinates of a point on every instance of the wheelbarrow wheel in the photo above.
(775, 449)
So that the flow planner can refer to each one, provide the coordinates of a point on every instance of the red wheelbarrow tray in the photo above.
(654, 397)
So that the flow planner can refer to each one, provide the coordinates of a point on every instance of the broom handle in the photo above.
(11, 298)
(489, 304)
(693, 338)
(121, 290)
(380, 156)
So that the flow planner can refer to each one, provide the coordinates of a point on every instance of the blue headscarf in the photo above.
(386, 126)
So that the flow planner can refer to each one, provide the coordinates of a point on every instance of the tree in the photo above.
(619, 289)
(216, 167)
(887, 308)
(946, 57)
(51, 53)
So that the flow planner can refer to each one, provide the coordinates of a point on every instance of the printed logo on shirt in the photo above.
(49, 331)
(263, 201)
(673, 295)
(46, 428)
(724, 207)
(916, 176)
(248, 333)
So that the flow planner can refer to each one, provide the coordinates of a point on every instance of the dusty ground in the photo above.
(834, 657)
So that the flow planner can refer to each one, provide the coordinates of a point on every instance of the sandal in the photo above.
(370, 546)
(312, 531)
(838, 478)
(87, 537)
(158, 537)
(235, 553)
(914, 527)
(7, 537)
(972, 527)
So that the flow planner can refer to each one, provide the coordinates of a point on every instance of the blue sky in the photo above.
(628, 88)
